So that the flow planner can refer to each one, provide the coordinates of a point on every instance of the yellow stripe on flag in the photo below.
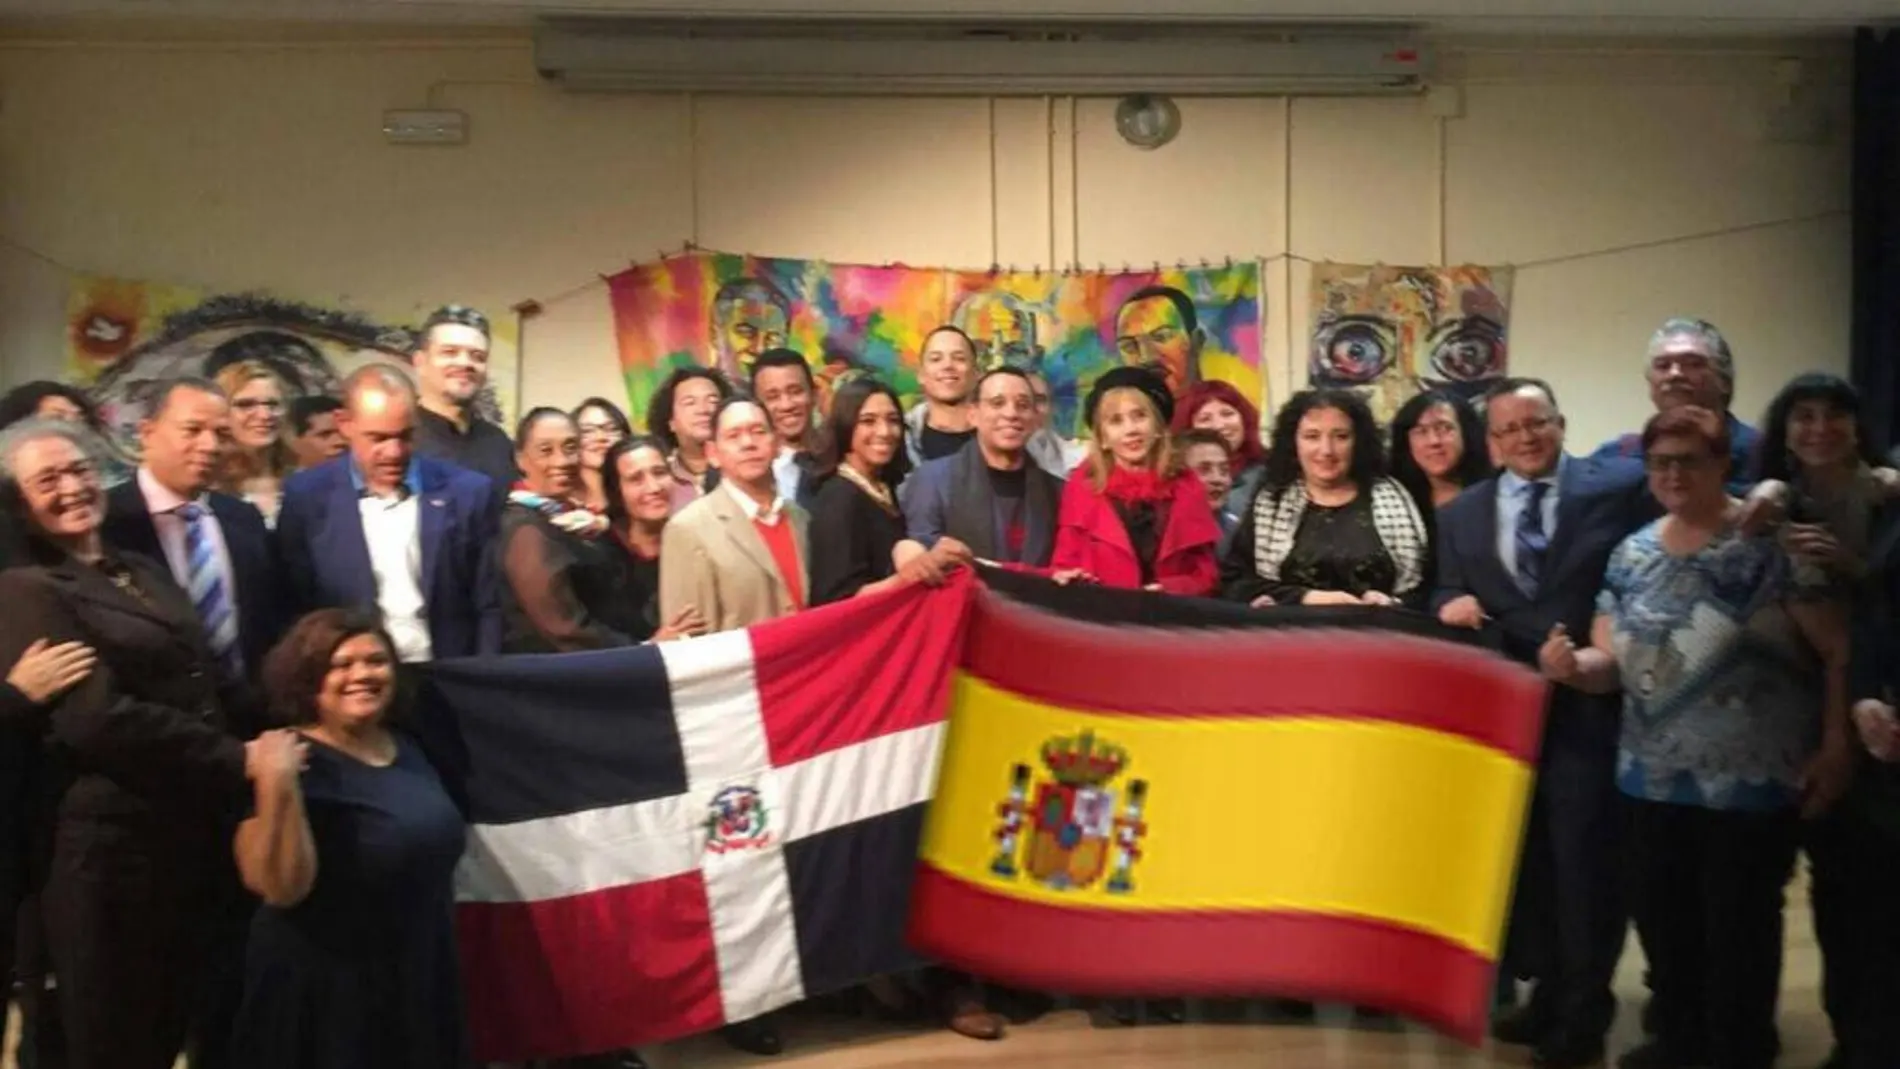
(1329, 815)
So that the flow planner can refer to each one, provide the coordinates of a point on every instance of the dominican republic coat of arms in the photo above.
(1074, 831)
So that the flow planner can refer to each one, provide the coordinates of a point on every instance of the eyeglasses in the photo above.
(1688, 463)
(1533, 426)
(1430, 431)
(600, 430)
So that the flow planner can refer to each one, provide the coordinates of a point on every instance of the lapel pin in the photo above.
(437, 502)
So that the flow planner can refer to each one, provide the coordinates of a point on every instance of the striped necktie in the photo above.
(1532, 540)
(210, 594)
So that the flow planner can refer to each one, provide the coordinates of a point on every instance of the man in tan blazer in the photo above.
(738, 554)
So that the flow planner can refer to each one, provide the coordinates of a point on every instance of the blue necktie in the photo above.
(209, 593)
(1532, 540)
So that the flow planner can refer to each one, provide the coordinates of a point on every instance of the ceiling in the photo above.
(1703, 18)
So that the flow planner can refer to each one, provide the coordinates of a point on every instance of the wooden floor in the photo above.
(1067, 1040)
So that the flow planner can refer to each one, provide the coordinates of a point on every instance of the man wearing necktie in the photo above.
(218, 550)
(215, 545)
(1525, 552)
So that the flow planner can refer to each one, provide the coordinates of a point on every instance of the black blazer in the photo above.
(1600, 503)
(140, 745)
(263, 607)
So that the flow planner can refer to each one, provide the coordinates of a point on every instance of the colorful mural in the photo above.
(722, 310)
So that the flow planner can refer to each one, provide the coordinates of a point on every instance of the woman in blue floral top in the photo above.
(1734, 729)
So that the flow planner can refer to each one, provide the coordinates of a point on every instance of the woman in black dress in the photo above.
(351, 962)
(855, 521)
(638, 484)
(1328, 526)
(559, 563)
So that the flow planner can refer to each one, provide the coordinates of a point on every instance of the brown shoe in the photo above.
(969, 1018)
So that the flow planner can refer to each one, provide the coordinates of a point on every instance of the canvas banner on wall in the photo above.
(723, 309)
(1392, 332)
(124, 336)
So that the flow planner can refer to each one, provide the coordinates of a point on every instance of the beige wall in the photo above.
(232, 165)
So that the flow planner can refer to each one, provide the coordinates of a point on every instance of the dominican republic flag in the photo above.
(672, 837)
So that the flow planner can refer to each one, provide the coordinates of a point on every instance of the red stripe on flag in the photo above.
(858, 670)
(1295, 672)
(590, 973)
(1222, 954)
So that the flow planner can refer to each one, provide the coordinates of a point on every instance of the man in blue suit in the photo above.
(1525, 551)
(381, 526)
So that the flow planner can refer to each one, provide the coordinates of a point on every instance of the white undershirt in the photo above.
(392, 531)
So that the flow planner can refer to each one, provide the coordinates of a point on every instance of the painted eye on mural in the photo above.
(1352, 351)
(1467, 349)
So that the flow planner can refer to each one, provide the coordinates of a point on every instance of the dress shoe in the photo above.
(969, 1018)
(1116, 1012)
(1568, 1052)
(1021, 1007)
(754, 1037)
(1167, 1010)
(1525, 1026)
(1290, 1011)
(1653, 1055)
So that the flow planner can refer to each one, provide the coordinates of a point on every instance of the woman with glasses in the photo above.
(261, 457)
(1734, 730)
(601, 424)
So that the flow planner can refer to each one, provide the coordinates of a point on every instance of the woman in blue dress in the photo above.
(352, 845)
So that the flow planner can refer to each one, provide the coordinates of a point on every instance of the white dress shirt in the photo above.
(1513, 494)
(392, 529)
(768, 516)
(163, 503)
(786, 473)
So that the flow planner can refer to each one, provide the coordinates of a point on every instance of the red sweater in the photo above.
(784, 546)
(1090, 536)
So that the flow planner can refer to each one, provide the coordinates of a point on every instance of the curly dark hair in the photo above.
(841, 423)
(1772, 460)
(660, 409)
(295, 668)
(1474, 463)
(1368, 446)
(23, 402)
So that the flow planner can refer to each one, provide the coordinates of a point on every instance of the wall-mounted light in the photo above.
(1147, 122)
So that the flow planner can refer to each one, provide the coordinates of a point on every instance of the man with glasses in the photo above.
(1526, 551)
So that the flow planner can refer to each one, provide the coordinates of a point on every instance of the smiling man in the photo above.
(1690, 363)
(451, 362)
(782, 381)
(989, 495)
(941, 425)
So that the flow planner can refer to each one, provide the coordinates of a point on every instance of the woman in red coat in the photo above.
(1131, 516)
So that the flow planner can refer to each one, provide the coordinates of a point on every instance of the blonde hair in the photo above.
(1162, 457)
(276, 459)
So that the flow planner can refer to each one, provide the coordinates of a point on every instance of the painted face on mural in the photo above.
(1389, 332)
(1152, 331)
(743, 328)
(1004, 332)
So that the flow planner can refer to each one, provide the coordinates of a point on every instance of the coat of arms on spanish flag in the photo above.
(1329, 809)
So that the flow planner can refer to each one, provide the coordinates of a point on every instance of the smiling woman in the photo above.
(131, 888)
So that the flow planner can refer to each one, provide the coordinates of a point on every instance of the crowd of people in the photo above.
(222, 837)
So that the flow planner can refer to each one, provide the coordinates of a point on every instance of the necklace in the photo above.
(878, 492)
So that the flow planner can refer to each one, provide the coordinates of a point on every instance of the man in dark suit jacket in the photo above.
(1526, 551)
(218, 550)
(989, 495)
(183, 444)
(385, 528)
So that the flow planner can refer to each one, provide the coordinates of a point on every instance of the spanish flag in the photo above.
(1322, 808)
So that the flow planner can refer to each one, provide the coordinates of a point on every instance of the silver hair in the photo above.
(1706, 338)
(39, 428)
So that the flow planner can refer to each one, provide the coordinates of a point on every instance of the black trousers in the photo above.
(1708, 888)
(1569, 912)
(129, 924)
(1855, 892)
